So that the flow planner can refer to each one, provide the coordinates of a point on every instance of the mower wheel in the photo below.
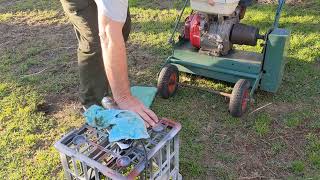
(240, 98)
(168, 81)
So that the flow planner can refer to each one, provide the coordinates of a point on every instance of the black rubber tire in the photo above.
(240, 92)
(165, 80)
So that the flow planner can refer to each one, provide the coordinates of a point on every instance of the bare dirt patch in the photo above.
(139, 57)
(5, 4)
(277, 109)
(17, 34)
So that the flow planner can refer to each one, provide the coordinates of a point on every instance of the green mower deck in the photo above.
(227, 68)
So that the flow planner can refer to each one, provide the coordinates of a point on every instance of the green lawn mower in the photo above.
(205, 48)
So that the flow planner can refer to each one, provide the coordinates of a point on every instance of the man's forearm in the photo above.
(115, 60)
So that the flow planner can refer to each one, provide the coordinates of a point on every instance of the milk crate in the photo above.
(87, 154)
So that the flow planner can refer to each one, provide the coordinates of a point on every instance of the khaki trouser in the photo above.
(84, 17)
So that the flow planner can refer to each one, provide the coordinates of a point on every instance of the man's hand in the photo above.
(133, 104)
(211, 2)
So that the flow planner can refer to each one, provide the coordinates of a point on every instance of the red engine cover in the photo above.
(192, 29)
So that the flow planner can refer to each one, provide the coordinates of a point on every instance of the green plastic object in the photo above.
(145, 94)
(277, 47)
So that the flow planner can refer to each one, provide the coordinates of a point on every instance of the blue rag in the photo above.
(124, 124)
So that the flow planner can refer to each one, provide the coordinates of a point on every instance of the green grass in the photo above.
(262, 124)
(278, 147)
(297, 167)
(26, 132)
(225, 157)
(313, 150)
(213, 144)
(294, 119)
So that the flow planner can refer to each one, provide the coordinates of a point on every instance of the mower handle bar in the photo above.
(177, 22)
(278, 13)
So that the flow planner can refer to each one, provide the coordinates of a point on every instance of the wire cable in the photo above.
(145, 159)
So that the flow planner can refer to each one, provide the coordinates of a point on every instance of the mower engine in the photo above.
(215, 34)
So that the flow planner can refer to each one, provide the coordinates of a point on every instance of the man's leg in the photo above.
(93, 82)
